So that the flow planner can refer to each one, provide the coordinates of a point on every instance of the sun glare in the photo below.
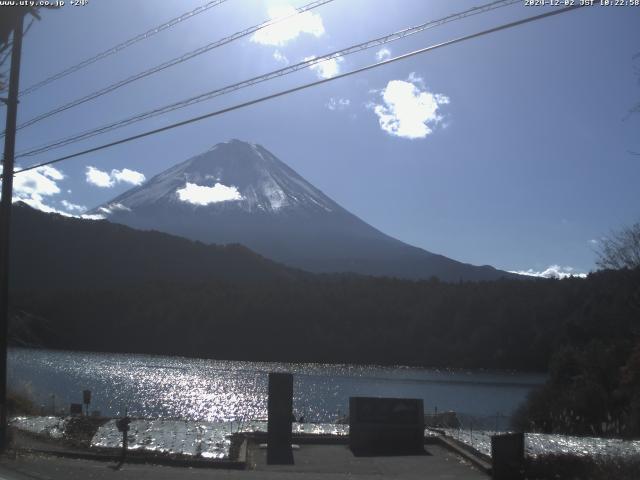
(288, 29)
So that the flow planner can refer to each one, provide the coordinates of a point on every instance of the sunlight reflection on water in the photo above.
(209, 440)
(212, 390)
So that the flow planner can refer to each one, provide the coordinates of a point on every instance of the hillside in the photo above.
(53, 251)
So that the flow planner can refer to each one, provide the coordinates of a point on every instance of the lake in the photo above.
(151, 386)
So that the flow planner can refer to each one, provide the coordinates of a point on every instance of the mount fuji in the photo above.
(239, 192)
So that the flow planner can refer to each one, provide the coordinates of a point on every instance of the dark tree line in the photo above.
(504, 324)
(594, 376)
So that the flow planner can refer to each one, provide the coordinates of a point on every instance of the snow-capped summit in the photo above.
(234, 175)
(239, 192)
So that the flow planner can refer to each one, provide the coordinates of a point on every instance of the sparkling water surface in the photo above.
(212, 440)
(542, 444)
(164, 387)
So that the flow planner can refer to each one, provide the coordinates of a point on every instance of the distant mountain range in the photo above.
(239, 192)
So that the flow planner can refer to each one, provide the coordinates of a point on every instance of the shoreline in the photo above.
(316, 456)
(181, 439)
(216, 441)
(434, 368)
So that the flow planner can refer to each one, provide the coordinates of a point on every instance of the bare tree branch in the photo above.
(621, 249)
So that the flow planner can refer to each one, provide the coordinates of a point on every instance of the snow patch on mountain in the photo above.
(112, 207)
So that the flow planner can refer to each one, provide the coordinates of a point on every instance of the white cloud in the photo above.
(72, 207)
(554, 271)
(202, 195)
(128, 176)
(338, 103)
(98, 177)
(32, 186)
(40, 181)
(594, 241)
(36, 201)
(280, 57)
(280, 33)
(383, 54)
(408, 110)
(326, 68)
(103, 179)
(416, 79)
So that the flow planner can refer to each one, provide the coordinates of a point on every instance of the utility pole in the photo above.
(5, 218)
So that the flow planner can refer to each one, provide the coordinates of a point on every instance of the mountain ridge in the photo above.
(49, 250)
(238, 192)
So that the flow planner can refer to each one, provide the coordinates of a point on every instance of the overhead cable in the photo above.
(263, 78)
(304, 87)
(121, 46)
(169, 63)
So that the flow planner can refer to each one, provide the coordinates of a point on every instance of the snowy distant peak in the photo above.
(233, 174)
(263, 182)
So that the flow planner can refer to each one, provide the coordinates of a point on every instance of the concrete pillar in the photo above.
(280, 407)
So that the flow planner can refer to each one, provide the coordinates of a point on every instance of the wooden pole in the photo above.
(5, 219)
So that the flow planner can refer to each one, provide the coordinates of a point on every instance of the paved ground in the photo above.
(312, 462)
(337, 461)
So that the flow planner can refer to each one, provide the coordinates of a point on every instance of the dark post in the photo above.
(5, 219)
(280, 406)
(86, 399)
(123, 426)
(125, 441)
(507, 456)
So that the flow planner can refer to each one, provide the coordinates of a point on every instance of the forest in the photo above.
(583, 332)
(505, 324)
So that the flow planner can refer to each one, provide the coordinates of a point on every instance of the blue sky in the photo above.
(510, 150)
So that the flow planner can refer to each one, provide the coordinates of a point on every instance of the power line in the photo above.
(121, 46)
(265, 77)
(284, 71)
(304, 87)
(170, 63)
